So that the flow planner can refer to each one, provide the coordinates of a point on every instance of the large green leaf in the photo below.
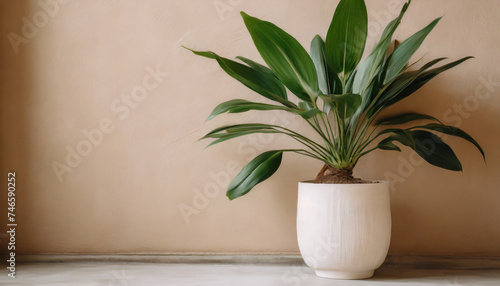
(285, 56)
(346, 37)
(344, 104)
(240, 105)
(422, 79)
(367, 70)
(258, 170)
(228, 132)
(305, 105)
(402, 54)
(453, 131)
(329, 82)
(349, 82)
(426, 144)
(217, 132)
(257, 66)
(221, 137)
(257, 80)
(392, 90)
(371, 72)
(306, 114)
(388, 145)
(393, 25)
(398, 88)
(403, 118)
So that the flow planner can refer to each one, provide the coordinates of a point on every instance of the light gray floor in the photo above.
(131, 274)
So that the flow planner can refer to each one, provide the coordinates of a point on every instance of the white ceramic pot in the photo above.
(344, 230)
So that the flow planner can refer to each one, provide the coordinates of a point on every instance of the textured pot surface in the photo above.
(344, 230)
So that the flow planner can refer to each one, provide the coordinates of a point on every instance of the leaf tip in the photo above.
(244, 15)
(193, 51)
(230, 196)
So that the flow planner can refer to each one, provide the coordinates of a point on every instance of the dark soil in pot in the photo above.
(330, 175)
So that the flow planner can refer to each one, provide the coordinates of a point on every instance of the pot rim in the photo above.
(375, 182)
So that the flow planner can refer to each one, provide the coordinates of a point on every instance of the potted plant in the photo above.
(343, 223)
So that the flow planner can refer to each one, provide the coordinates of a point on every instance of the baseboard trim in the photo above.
(166, 258)
(442, 262)
(392, 261)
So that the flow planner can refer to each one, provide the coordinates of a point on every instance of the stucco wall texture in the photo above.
(102, 109)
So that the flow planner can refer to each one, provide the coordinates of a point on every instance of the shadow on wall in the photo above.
(413, 203)
(15, 90)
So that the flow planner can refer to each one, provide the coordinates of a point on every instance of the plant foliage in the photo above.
(339, 97)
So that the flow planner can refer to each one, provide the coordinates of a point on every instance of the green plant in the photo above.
(338, 98)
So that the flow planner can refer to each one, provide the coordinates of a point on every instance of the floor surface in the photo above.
(131, 274)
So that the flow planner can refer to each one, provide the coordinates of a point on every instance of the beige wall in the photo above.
(126, 196)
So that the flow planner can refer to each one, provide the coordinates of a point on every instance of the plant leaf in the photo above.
(227, 136)
(305, 105)
(388, 145)
(392, 90)
(453, 131)
(285, 56)
(346, 37)
(258, 170)
(429, 146)
(344, 104)
(258, 81)
(306, 114)
(228, 132)
(395, 90)
(402, 54)
(240, 105)
(367, 70)
(403, 118)
(257, 66)
(422, 79)
(329, 82)
(237, 127)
